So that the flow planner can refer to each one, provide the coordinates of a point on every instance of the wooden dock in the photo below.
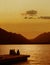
(10, 59)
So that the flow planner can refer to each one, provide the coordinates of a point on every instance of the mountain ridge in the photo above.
(13, 38)
(42, 38)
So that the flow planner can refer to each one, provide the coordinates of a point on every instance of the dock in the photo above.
(11, 59)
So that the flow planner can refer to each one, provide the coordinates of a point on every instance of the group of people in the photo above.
(12, 52)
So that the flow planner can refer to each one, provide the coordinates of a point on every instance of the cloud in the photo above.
(31, 12)
(44, 17)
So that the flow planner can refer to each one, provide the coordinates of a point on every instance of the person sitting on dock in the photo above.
(18, 53)
(12, 52)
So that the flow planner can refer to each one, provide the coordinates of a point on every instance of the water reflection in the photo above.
(39, 54)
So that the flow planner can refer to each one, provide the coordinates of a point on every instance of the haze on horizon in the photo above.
(12, 20)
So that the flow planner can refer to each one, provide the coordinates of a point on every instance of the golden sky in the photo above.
(12, 20)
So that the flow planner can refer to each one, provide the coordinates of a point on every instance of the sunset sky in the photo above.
(12, 20)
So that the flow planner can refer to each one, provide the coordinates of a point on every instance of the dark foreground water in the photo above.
(39, 54)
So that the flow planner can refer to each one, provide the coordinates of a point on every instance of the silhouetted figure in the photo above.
(12, 52)
(18, 53)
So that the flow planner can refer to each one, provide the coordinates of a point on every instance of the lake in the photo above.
(39, 54)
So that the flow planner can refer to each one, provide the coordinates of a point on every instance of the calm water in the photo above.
(39, 54)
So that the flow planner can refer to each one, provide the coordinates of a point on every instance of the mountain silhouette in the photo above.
(42, 38)
(11, 38)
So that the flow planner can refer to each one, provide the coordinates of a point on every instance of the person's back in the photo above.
(12, 52)
(18, 53)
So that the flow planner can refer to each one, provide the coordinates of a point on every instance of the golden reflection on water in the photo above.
(39, 54)
(4, 49)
